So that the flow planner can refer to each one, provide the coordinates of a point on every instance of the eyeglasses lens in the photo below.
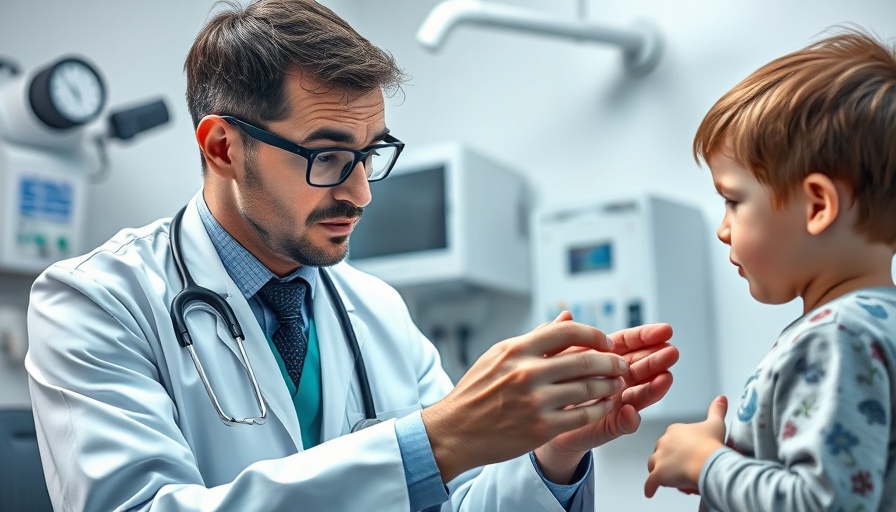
(331, 167)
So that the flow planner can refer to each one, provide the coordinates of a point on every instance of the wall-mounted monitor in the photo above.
(446, 215)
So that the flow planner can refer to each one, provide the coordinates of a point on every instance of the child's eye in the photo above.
(731, 205)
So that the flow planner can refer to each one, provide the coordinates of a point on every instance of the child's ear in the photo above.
(822, 202)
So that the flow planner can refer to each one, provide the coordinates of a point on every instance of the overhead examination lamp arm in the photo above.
(641, 44)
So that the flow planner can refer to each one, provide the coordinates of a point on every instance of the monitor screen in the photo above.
(590, 258)
(407, 214)
(46, 200)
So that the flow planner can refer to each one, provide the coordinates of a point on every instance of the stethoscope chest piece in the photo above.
(367, 422)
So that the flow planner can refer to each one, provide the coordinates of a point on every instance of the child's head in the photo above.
(828, 108)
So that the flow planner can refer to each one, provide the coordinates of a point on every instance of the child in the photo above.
(804, 153)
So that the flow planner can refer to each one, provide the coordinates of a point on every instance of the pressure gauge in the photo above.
(67, 93)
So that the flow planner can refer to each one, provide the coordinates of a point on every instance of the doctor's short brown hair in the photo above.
(829, 107)
(240, 59)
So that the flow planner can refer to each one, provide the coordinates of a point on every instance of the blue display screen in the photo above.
(46, 199)
(590, 258)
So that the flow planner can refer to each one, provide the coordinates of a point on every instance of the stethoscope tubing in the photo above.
(192, 294)
(349, 332)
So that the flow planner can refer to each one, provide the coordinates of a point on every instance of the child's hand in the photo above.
(680, 454)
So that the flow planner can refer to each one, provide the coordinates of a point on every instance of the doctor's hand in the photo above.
(680, 454)
(522, 393)
(526, 391)
(649, 358)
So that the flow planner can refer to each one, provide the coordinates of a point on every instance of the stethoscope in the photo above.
(192, 295)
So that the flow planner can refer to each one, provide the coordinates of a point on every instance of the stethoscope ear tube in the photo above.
(193, 293)
(360, 367)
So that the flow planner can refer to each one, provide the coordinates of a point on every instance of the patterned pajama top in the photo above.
(814, 430)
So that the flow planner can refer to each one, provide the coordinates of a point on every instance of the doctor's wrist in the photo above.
(445, 450)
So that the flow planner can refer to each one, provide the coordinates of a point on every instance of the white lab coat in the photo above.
(124, 422)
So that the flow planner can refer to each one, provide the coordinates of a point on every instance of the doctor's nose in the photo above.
(355, 189)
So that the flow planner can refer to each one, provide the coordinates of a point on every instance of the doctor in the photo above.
(287, 102)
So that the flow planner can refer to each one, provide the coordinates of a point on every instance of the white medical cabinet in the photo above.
(627, 262)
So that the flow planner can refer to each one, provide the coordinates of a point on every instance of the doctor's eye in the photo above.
(324, 158)
(368, 160)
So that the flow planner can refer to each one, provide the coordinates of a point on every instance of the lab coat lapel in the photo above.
(337, 365)
(208, 271)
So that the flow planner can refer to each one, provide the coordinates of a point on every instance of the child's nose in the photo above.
(724, 233)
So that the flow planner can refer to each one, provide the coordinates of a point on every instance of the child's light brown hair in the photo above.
(829, 107)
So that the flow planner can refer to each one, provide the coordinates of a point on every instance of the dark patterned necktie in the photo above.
(285, 299)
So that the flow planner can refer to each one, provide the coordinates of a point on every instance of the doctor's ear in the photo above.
(219, 143)
(822, 202)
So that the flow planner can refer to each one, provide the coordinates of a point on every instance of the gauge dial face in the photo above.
(76, 91)
(67, 93)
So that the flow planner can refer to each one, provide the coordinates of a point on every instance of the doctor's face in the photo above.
(290, 222)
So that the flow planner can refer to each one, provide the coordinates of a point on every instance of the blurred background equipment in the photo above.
(621, 263)
(447, 218)
(22, 485)
(51, 148)
(641, 43)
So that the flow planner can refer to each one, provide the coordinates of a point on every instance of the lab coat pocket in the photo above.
(353, 417)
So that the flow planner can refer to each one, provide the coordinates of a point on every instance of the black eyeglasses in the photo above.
(328, 167)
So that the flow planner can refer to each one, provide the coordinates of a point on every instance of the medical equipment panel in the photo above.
(42, 218)
(48, 156)
(447, 217)
(621, 263)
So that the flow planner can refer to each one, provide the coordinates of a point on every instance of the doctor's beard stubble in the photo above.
(301, 249)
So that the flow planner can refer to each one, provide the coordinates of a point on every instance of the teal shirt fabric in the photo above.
(307, 398)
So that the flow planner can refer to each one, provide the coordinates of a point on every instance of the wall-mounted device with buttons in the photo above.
(621, 263)
(50, 148)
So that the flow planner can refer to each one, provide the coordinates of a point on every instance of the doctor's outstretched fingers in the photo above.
(552, 389)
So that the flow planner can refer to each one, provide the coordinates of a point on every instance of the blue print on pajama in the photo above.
(873, 411)
(749, 399)
(875, 310)
(812, 373)
(841, 440)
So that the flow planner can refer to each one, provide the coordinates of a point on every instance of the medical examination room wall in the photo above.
(563, 113)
